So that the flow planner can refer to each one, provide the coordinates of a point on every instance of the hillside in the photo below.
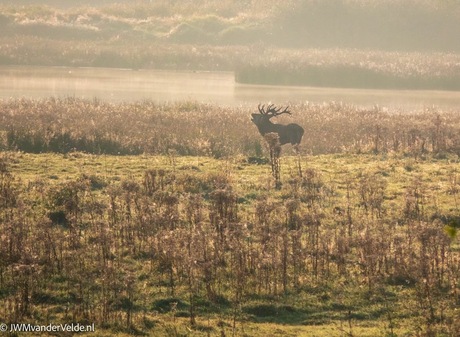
(341, 43)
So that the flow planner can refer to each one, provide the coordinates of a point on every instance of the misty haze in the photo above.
(230, 168)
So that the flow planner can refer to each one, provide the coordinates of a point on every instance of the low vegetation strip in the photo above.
(353, 69)
(192, 128)
(343, 76)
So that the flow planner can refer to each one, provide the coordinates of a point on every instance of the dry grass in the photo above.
(141, 244)
(191, 128)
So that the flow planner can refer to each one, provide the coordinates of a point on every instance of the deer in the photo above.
(291, 133)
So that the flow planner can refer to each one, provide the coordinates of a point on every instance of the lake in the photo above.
(126, 85)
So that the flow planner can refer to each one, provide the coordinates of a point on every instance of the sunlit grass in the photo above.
(197, 129)
(325, 306)
(437, 178)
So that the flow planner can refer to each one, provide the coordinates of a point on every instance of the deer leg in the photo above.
(299, 166)
(296, 148)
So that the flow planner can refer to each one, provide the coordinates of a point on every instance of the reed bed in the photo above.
(192, 128)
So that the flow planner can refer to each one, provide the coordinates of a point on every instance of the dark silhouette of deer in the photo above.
(291, 133)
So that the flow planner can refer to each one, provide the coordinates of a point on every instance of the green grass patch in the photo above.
(153, 246)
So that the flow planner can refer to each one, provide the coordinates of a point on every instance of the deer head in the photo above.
(291, 133)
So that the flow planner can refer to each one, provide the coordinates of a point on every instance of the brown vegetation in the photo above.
(348, 239)
(190, 128)
(197, 244)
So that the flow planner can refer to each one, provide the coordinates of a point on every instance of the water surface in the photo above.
(125, 85)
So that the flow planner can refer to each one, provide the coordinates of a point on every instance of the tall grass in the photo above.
(191, 128)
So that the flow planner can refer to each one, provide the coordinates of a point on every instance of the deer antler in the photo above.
(272, 111)
(261, 110)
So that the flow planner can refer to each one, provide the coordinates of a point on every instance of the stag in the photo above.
(291, 133)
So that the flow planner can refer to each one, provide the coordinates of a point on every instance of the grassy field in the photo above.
(359, 239)
(196, 246)
(166, 219)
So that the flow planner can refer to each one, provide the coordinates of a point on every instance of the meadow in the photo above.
(178, 219)
(168, 227)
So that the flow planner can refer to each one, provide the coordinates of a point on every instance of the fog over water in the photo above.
(124, 85)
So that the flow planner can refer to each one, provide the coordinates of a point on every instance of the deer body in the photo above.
(291, 133)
